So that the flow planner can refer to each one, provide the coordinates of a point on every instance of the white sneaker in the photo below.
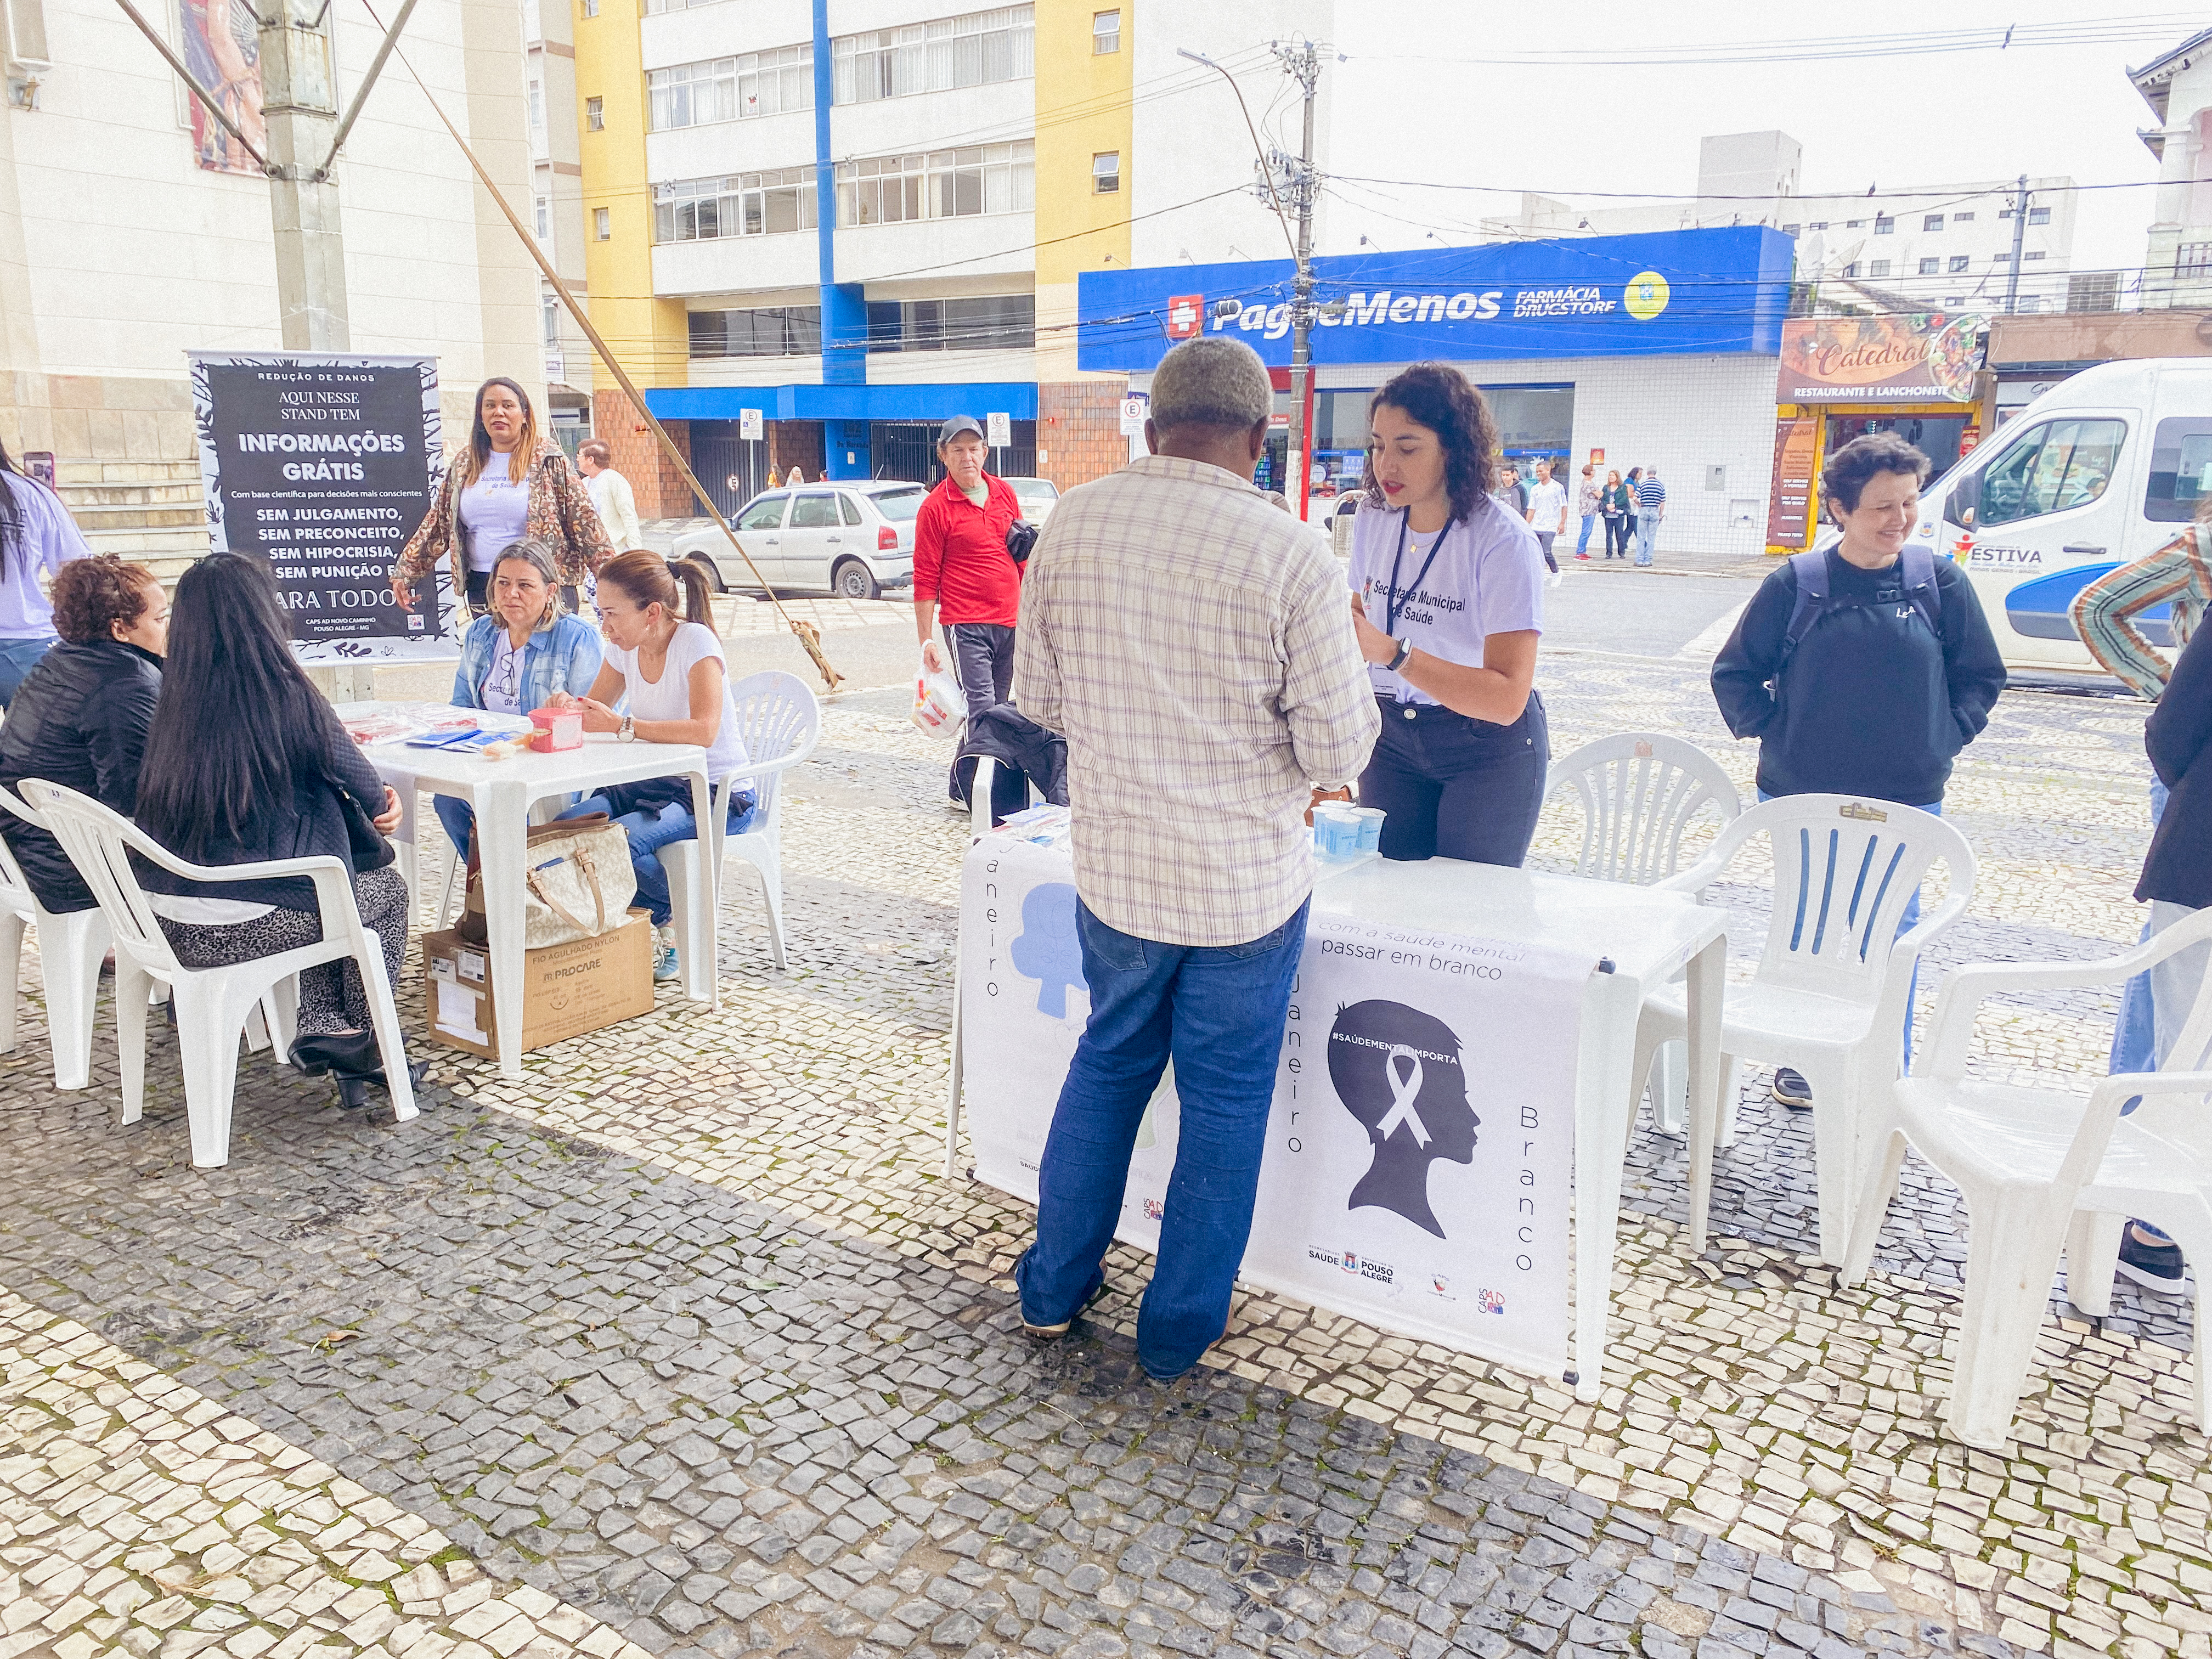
(1552, 578)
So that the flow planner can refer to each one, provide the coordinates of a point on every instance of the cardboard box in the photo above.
(567, 989)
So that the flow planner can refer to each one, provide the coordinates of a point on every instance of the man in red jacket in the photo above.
(967, 587)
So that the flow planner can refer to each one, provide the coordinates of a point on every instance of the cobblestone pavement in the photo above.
(684, 1333)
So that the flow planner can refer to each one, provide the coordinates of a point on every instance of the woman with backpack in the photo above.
(1862, 670)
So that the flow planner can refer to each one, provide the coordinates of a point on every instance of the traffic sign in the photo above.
(1136, 408)
(999, 430)
(748, 423)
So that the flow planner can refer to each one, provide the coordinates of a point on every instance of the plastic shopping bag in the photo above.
(939, 706)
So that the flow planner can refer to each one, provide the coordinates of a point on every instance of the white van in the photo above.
(2104, 468)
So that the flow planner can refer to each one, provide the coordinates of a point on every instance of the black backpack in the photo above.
(1917, 569)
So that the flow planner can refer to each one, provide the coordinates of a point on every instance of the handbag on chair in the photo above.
(577, 883)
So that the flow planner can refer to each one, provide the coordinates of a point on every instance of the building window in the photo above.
(980, 49)
(737, 204)
(2030, 302)
(1851, 269)
(1930, 267)
(548, 319)
(1854, 224)
(543, 211)
(731, 88)
(1933, 222)
(2037, 215)
(2026, 258)
(1879, 268)
(537, 108)
(1105, 32)
(603, 224)
(590, 8)
(1106, 172)
(1962, 261)
(1954, 299)
(1883, 224)
(2000, 258)
(1817, 224)
(1003, 322)
(1790, 230)
(595, 114)
(2193, 259)
(1962, 218)
(943, 184)
(761, 331)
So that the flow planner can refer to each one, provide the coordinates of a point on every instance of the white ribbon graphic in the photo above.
(1404, 1091)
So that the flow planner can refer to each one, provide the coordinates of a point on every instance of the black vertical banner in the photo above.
(324, 466)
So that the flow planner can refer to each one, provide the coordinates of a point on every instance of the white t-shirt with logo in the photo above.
(502, 689)
(1547, 502)
(1487, 578)
(669, 698)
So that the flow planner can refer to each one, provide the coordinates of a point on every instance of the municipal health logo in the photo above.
(1360, 1266)
(1154, 1210)
(1490, 1301)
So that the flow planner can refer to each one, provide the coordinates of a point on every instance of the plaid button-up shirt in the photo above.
(1193, 644)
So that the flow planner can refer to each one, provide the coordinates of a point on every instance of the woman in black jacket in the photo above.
(80, 717)
(246, 761)
(1862, 670)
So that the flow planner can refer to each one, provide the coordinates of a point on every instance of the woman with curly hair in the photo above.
(1448, 604)
(81, 716)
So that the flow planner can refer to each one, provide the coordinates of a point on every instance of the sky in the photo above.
(1415, 96)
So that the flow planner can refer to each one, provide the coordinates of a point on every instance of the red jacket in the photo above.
(960, 556)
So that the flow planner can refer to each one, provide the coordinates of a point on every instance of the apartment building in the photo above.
(2177, 87)
(852, 218)
(132, 231)
(552, 113)
(1946, 245)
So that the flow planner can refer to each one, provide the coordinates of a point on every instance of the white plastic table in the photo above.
(501, 793)
(1647, 938)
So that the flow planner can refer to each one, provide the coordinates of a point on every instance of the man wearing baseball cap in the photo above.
(967, 587)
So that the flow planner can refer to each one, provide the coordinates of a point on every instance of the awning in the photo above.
(1016, 399)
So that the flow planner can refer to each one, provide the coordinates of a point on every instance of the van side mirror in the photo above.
(1960, 511)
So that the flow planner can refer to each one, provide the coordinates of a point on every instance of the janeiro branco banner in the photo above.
(323, 465)
(1418, 1167)
(1916, 356)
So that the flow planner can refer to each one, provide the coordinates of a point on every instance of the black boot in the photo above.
(350, 1054)
(353, 1091)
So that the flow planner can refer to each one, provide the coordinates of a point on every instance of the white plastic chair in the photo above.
(781, 722)
(2042, 1169)
(1639, 794)
(70, 948)
(1831, 990)
(214, 1004)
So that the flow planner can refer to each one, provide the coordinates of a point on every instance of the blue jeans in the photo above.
(17, 658)
(1220, 1012)
(645, 813)
(2134, 1038)
(1904, 925)
(1647, 538)
(1582, 542)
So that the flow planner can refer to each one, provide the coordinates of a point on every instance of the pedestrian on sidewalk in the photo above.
(1195, 730)
(1629, 486)
(1650, 508)
(2178, 576)
(1588, 494)
(509, 481)
(1511, 489)
(967, 591)
(610, 494)
(1613, 502)
(2177, 880)
(1872, 681)
(1548, 517)
(36, 537)
(1448, 589)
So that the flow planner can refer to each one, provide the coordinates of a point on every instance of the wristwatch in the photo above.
(627, 731)
(1405, 650)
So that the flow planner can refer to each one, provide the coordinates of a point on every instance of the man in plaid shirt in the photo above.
(1193, 644)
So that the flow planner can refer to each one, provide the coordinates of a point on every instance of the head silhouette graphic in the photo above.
(1047, 949)
(1398, 1072)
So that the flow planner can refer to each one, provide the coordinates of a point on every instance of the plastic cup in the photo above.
(1369, 822)
(1336, 831)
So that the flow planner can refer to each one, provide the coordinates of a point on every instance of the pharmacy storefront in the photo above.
(1619, 351)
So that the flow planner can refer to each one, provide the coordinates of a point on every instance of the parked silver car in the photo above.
(850, 539)
(1036, 496)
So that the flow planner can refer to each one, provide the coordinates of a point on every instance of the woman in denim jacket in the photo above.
(517, 654)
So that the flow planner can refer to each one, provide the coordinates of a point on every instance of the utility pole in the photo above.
(300, 104)
(1303, 63)
(2018, 236)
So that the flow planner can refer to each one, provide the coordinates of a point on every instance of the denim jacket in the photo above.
(562, 658)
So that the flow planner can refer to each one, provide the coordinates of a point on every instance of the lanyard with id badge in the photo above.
(1394, 602)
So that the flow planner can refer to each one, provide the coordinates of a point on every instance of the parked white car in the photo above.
(850, 539)
(1036, 496)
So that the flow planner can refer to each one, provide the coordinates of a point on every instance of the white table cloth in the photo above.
(501, 793)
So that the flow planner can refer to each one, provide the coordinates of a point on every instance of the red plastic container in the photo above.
(557, 729)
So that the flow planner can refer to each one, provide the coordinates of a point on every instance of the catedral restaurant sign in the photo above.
(1920, 356)
(1674, 292)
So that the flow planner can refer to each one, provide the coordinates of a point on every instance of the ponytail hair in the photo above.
(676, 586)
